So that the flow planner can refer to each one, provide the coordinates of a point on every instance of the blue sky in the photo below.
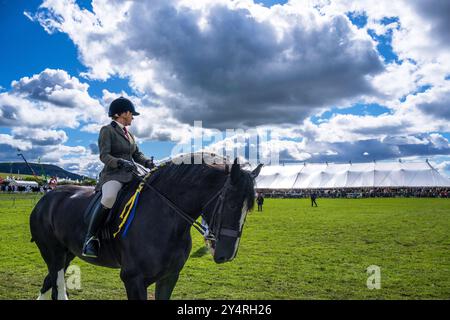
(356, 80)
(36, 50)
(30, 50)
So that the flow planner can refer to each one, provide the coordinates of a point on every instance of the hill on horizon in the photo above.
(49, 169)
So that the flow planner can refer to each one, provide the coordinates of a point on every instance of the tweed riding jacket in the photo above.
(114, 145)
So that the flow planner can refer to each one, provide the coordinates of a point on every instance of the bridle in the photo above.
(215, 223)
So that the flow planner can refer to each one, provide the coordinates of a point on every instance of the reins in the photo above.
(198, 226)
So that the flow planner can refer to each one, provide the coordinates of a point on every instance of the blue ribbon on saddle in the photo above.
(130, 219)
(129, 210)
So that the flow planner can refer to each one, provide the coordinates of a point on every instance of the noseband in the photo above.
(215, 222)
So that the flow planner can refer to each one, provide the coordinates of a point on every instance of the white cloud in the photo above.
(439, 141)
(419, 39)
(77, 159)
(50, 99)
(13, 144)
(261, 64)
(442, 166)
(236, 64)
(18, 111)
(40, 136)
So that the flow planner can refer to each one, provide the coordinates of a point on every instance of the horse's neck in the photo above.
(189, 197)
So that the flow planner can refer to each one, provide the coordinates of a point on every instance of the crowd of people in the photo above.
(430, 192)
(17, 184)
(24, 189)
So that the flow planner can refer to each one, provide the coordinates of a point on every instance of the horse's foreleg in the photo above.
(135, 287)
(164, 287)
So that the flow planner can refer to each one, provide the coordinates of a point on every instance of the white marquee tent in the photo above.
(21, 183)
(373, 174)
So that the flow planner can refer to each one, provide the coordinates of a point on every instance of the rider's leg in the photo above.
(109, 195)
(110, 190)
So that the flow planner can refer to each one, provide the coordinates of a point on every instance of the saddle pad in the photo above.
(115, 210)
(89, 210)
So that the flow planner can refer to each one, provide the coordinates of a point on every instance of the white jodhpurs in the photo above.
(109, 192)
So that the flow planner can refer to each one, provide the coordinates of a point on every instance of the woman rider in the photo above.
(117, 149)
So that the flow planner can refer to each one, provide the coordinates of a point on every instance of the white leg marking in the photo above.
(61, 285)
(46, 295)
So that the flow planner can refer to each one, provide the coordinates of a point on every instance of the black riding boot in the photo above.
(91, 243)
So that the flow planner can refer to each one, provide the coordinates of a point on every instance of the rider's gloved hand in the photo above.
(127, 165)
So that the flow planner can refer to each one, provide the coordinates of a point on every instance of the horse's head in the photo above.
(227, 219)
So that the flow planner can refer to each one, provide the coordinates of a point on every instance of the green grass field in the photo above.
(289, 251)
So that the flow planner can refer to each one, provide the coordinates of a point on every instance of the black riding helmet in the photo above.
(121, 105)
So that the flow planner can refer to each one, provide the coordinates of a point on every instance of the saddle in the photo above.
(105, 231)
(111, 222)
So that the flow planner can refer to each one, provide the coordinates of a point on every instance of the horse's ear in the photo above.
(257, 170)
(235, 168)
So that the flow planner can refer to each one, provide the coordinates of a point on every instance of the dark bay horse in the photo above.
(158, 242)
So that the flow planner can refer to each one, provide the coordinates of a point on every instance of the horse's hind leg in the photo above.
(45, 293)
(69, 257)
(54, 282)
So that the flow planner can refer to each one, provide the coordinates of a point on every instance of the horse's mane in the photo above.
(189, 167)
(183, 169)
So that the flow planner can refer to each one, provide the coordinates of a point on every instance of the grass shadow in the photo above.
(200, 252)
